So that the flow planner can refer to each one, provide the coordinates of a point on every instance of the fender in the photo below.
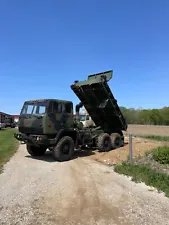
(67, 132)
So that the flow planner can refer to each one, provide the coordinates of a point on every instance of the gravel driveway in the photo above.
(81, 191)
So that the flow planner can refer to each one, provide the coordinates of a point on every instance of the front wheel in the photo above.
(35, 151)
(64, 150)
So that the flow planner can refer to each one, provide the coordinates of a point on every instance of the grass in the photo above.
(161, 154)
(144, 173)
(149, 173)
(8, 146)
(156, 137)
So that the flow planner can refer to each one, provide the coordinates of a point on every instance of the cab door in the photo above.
(67, 119)
(52, 118)
(62, 115)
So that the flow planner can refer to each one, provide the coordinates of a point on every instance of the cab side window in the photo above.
(63, 107)
(55, 107)
(50, 107)
(59, 108)
(68, 107)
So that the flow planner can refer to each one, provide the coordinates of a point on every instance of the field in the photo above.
(148, 130)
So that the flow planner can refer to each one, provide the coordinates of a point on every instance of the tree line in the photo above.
(146, 116)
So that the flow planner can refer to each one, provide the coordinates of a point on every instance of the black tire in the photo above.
(104, 142)
(117, 140)
(35, 151)
(64, 150)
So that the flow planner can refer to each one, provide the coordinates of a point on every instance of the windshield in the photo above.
(82, 117)
(34, 108)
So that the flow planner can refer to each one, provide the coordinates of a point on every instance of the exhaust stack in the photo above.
(78, 106)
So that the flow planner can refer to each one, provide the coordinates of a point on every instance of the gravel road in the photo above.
(81, 191)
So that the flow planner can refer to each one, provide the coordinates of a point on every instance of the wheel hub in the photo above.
(106, 144)
(65, 149)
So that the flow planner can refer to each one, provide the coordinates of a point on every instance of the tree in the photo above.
(146, 116)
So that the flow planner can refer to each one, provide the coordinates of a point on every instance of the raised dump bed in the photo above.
(97, 98)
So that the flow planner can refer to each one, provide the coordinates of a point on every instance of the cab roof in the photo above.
(46, 100)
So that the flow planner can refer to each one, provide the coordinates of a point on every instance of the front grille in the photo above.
(30, 130)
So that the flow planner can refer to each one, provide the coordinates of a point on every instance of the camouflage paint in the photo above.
(96, 78)
(30, 124)
(98, 100)
(48, 123)
(55, 122)
(96, 97)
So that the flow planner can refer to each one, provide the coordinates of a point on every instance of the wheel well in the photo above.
(71, 134)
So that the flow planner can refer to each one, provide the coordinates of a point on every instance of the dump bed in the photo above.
(99, 101)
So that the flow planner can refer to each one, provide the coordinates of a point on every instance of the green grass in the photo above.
(161, 154)
(146, 174)
(8, 146)
(156, 137)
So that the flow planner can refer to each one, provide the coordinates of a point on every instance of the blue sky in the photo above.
(46, 45)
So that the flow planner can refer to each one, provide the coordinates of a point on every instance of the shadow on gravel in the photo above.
(48, 155)
(84, 153)
(78, 154)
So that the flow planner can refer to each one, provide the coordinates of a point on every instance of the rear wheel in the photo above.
(64, 149)
(36, 151)
(117, 140)
(104, 142)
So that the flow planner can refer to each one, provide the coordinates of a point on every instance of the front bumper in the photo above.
(34, 139)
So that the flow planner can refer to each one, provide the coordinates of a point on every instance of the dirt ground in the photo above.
(139, 146)
(81, 191)
(148, 130)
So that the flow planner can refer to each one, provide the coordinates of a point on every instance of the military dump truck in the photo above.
(6, 120)
(50, 123)
(9, 122)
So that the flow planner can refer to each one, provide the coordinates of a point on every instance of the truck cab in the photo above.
(45, 117)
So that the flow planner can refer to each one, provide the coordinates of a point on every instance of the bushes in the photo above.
(161, 154)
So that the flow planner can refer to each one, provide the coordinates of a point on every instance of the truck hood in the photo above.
(30, 124)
